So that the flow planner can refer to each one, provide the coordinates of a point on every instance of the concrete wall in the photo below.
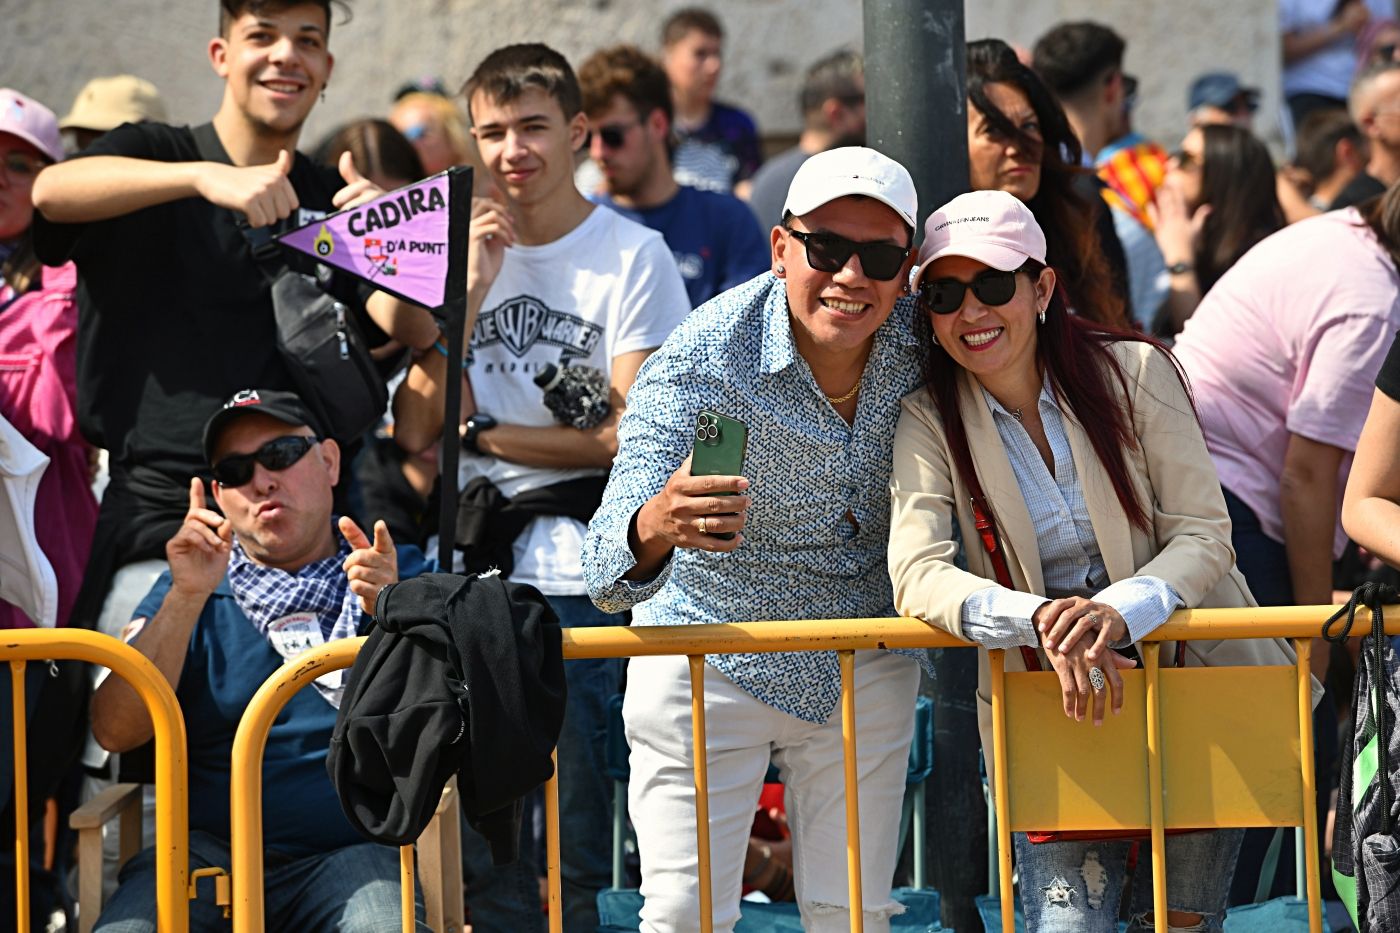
(770, 43)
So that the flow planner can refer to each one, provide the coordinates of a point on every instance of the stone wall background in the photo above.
(49, 48)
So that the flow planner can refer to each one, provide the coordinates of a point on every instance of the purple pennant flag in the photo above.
(398, 242)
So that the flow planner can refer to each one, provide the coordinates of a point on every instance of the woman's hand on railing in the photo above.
(1080, 688)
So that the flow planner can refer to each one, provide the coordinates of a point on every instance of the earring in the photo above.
(935, 340)
(323, 95)
(781, 269)
(1041, 315)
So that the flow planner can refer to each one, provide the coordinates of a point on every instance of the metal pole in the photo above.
(916, 113)
(916, 106)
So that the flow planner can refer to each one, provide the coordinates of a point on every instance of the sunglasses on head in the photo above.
(827, 252)
(276, 455)
(992, 287)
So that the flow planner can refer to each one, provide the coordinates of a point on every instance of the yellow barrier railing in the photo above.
(19, 646)
(846, 636)
(1299, 623)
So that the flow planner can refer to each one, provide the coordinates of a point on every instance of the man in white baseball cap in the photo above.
(813, 358)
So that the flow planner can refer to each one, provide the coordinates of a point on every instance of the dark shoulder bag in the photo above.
(317, 335)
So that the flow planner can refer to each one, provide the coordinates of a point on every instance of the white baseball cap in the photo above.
(992, 227)
(853, 170)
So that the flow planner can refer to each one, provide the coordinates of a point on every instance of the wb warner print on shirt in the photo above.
(521, 324)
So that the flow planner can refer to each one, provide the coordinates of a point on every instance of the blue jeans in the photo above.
(585, 799)
(349, 890)
(1262, 560)
(1076, 887)
(502, 897)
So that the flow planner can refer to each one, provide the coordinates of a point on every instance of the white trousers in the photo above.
(742, 733)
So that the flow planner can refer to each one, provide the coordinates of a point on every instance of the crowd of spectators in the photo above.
(1167, 349)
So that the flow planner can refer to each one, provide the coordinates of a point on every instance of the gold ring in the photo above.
(701, 525)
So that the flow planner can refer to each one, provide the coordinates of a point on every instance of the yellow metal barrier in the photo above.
(1169, 733)
(19, 646)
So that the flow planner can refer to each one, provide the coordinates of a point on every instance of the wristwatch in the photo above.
(475, 425)
(1180, 268)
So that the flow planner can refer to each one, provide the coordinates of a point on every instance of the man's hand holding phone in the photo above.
(692, 511)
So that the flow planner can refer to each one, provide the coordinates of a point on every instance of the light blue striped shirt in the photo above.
(1070, 560)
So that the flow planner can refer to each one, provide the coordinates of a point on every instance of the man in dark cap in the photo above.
(1219, 97)
(274, 575)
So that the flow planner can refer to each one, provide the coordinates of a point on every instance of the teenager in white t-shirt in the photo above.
(551, 279)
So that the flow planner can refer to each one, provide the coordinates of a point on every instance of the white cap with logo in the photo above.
(992, 227)
(852, 170)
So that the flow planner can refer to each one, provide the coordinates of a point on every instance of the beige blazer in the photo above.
(1188, 545)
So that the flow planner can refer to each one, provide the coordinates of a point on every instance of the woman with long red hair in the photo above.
(1068, 456)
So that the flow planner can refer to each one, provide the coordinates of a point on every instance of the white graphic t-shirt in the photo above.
(608, 287)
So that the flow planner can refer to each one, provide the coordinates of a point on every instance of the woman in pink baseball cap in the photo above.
(1068, 455)
(38, 369)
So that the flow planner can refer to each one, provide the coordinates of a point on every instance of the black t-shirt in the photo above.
(174, 313)
(1362, 188)
(1388, 379)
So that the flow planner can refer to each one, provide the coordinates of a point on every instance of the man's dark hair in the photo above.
(230, 10)
(1318, 136)
(839, 75)
(512, 70)
(691, 19)
(1072, 55)
(627, 71)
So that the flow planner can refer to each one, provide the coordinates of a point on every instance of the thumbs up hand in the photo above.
(358, 189)
(370, 566)
(263, 193)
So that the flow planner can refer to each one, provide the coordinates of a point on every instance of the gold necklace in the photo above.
(837, 400)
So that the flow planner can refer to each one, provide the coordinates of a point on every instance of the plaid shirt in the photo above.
(266, 594)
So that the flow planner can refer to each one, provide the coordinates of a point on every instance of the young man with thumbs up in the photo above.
(247, 590)
(175, 311)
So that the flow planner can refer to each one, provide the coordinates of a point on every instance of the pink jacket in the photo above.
(38, 395)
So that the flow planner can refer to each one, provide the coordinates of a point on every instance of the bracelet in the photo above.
(441, 347)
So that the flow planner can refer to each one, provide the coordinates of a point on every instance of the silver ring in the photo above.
(1096, 679)
(701, 524)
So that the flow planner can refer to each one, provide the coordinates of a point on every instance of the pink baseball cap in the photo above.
(992, 227)
(31, 121)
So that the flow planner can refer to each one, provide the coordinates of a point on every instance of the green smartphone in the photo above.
(720, 445)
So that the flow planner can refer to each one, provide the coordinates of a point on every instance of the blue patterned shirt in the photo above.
(1070, 560)
(801, 557)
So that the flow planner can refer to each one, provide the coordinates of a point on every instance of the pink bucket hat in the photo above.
(32, 122)
(992, 227)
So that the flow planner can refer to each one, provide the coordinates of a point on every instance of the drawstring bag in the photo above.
(1365, 848)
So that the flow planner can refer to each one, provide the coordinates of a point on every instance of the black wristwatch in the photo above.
(1180, 268)
(475, 425)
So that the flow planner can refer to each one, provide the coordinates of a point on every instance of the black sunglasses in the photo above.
(945, 296)
(613, 135)
(827, 252)
(275, 455)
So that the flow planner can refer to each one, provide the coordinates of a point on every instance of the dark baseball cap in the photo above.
(1220, 89)
(284, 406)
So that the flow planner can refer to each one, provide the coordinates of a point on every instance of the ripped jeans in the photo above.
(1077, 887)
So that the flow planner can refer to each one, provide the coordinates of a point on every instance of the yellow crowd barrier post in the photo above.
(1151, 656)
(552, 860)
(848, 741)
(406, 905)
(245, 797)
(168, 725)
(1303, 647)
(21, 759)
(702, 789)
(1001, 790)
